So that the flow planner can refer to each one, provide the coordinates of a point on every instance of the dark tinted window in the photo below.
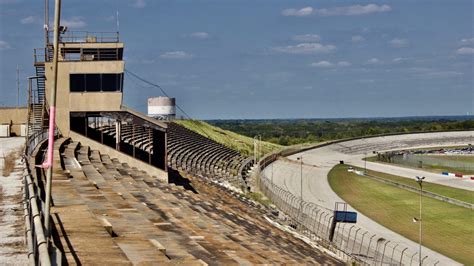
(96, 82)
(110, 82)
(77, 82)
(93, 82)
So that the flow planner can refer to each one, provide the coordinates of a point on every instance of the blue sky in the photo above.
(272, 59)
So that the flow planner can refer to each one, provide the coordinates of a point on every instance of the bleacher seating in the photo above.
(189, 151)
(108, 212)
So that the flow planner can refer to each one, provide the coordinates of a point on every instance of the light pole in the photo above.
(301, 182)
(419, 180)
(365, 164)
(256, 147)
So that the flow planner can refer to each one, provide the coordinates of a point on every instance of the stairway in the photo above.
(37, 116)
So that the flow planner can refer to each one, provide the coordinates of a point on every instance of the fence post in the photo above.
(421, 263)
(314, 222)
(328, 225)
(349, 236)
(319, 222)
(393, 252)
(368, 248)
(355, 237)
(383, 254)
(401, 256)
(362, 242)
(342, 235)
(411, 260)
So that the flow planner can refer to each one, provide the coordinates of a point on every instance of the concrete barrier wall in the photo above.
(15, 117)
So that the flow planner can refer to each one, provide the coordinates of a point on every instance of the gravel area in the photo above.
(12, 240)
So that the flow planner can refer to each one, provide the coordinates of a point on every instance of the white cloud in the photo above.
(465, 50)
(399, 59)
(28, 20)
(305, 11)
(305, 48)
(139, 3)
(306, 38)
(110, 18)
(354, 10)
(322, 64)
(443, 74)
(343, 64)
(74, 22)
(176, 55)
(467, 41)
(327, 64)
(374, 61)
(199, 35)
(4, 45)
(357, 38)
(399, 43)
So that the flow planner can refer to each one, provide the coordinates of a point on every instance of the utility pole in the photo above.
(52, 118)
(17, 86)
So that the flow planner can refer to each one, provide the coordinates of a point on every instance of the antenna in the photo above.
(118, 21)
(17, 86)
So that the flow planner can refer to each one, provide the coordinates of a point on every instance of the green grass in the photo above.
(448, 228)
(230, 139)
(455, 193)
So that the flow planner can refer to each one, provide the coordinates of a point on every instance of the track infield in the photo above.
(447, 228)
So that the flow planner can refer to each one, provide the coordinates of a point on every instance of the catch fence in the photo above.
(455, 162)
(315, 221)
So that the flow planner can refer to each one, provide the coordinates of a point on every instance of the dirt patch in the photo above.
(9, 163)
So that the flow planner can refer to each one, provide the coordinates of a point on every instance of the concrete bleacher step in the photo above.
(147, 221)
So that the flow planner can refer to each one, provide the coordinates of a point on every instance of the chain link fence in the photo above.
(438, 161)
(315, 221)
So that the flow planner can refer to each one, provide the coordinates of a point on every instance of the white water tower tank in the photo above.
(162, 108)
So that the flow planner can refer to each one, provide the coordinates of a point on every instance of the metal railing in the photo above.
(35, 237)
(87, 37)
(35, 139)
(314, 221)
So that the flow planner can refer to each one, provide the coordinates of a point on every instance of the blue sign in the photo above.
(345, 216)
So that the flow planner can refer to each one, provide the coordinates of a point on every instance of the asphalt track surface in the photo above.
(319, 161)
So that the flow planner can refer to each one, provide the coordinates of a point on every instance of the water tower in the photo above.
(163, 108)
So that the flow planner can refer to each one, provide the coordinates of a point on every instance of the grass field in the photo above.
(455, 193)
(448, 228)
(230, 139)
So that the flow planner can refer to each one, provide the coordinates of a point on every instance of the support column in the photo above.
(118, 134)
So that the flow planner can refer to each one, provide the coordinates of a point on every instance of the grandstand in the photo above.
(110, 212)
(129, 189)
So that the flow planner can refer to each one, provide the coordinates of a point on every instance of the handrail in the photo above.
(88, 37)
(36, 240)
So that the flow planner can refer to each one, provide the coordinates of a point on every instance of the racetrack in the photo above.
(319, 161)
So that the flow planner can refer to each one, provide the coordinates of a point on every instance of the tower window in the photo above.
(96, 82)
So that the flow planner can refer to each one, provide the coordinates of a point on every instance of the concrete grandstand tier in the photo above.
(108, 212)
(187, 150)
